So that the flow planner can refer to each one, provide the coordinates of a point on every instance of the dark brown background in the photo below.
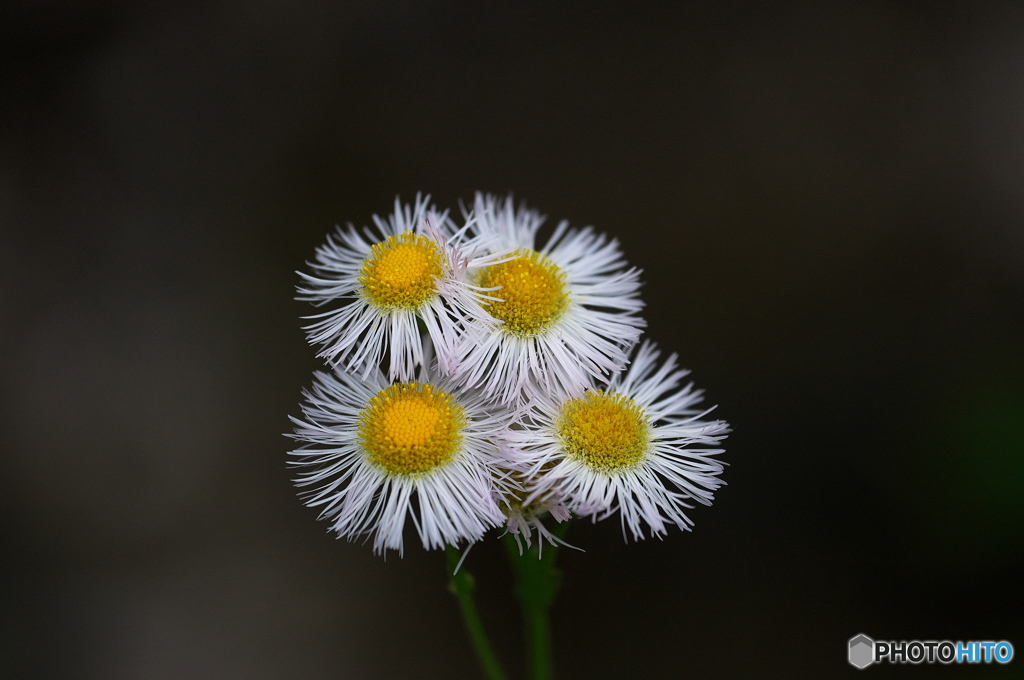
(827, 203)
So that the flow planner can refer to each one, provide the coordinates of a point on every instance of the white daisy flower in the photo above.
(565, 312)
(636, 447)
(375, 452)
(413, 267)
(526, 519)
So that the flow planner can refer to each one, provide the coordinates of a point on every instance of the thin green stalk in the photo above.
(537, 584)
(461, 586)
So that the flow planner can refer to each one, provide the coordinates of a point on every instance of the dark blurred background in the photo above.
(827, 201)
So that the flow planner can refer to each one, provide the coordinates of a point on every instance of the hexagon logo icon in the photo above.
(862, 651)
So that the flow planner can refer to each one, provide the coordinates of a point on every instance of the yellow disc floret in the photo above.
(401, 272)
(532, 291)
(411, 428)
(606, 432)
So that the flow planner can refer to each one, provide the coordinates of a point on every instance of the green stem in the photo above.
(461, 586)
(537, 582)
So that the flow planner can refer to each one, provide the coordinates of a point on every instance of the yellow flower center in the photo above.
(401, 271)
(409, 428)
(606, 432)
(532, 291)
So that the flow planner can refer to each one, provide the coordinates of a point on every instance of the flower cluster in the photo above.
(479, 380)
